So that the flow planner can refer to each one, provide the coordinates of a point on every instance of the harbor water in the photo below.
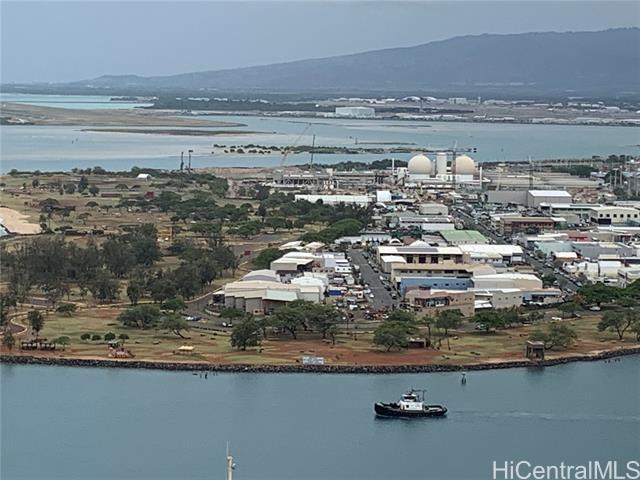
(82, 423)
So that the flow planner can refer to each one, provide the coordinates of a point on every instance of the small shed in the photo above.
(143, 176)
(185, 350)
(534, 350)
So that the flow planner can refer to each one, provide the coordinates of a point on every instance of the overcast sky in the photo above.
(63, 40)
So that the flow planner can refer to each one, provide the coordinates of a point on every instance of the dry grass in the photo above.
(214, 347)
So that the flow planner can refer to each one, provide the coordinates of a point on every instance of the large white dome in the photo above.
(420, 165)
(465, 165)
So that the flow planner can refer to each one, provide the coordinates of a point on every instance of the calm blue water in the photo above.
(62, 148)
(75, 423)
(67, 101)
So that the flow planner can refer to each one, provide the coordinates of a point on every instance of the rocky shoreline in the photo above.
(298, 368)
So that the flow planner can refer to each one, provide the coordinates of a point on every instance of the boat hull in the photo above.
(393, 410)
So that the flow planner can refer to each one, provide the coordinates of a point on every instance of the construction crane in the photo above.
(287, 150)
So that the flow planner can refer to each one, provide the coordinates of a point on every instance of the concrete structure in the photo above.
(461, 237)
(608, 215)
(433, 209)
(434, 282)
(537, 197)
(522, 281)
(421, 253)
(423, 170)
(509, 254)
(499, 298)
(260, 297)
(431, 302)
(360, 200)
(355, 112)
(512, 224)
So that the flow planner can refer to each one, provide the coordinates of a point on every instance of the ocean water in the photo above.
(62, 148)
(81, 423)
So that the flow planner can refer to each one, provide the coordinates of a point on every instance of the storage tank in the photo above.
(441, 163)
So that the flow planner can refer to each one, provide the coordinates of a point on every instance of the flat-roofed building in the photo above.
(523, 281)
(421, 253)
(537, 197)
(360, 200)
(262, 297)
(460, 237)
(431, 302)
(512, 224)
(608, 215)
(510, 254)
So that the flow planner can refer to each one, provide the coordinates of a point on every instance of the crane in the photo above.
(287, 150)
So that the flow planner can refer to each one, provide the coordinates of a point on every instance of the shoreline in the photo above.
(298, 368)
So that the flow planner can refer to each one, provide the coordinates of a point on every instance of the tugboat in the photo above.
(411, 405)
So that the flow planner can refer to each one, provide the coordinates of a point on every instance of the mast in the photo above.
(230, 465)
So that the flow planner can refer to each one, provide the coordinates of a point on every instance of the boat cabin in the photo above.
(410, 401)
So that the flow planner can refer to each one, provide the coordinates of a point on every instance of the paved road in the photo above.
(569, 283)
(381, 296)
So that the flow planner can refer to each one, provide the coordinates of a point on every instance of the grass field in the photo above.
(350, 349)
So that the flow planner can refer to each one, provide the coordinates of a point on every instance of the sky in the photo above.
(57, 41)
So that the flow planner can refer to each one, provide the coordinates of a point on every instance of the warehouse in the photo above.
(537, 197)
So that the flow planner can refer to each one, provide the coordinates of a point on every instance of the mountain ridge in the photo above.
(583, 62)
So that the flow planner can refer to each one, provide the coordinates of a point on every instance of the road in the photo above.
(381, 296)
(569, 284)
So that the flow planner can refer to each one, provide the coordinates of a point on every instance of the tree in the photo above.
(140, 316)
(393, 334)
(85, 336)
(429, 322)
(64, 341)
(134, 292)
(288, 318)
(401, 316)
(490, 320)
(123, 337)
(598, 293)
(321, 318)
(93, 190)
(558, 336)
(245, 334)
(95, 337)
(174, 304)
(104, 287)
(266, 256)
(83, 183)
(617, 321)
(67, 309)
(448, 320)
(8, 340)
(36, 321)
(568, 309)
(231, 313)
(635, 328)
(7, 300)
(549, 279)
(175, 323)
(109, 336)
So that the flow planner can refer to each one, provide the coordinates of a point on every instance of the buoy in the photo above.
(464, 379)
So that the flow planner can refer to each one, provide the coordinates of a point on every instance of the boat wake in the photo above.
(555, 417)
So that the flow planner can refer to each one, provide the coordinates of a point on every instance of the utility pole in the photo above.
(181, 161)
(189, 167)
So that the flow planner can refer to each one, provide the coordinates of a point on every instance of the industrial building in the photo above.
(360, 200)
(355, 112)
(421, 170)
